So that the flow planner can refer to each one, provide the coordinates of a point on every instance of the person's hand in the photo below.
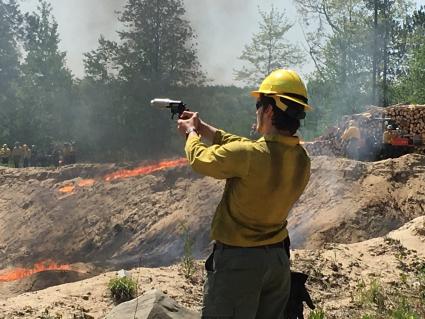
(299, 294)
(187, 121)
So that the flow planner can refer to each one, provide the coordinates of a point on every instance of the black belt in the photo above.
(219, 245)
(282, 244)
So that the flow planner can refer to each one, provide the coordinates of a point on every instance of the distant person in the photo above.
(35, 156)
(17, 155)
(352, 138)
(248, 273)
(1, 154)
(44, 157)
(388, 135)
(387, 139)
(5, 154)
(26, 155)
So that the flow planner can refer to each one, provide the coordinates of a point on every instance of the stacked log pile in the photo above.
(409, 118)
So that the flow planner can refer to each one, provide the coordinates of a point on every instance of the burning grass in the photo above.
(124, 173)
(142, 170)
(21, 273)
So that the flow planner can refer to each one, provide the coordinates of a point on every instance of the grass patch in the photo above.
(404, 300)
(187, 263)
(317, 314)
(122, 289)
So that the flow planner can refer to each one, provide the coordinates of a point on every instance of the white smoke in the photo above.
(223, 28)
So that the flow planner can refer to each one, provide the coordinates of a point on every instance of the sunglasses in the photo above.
(258, 104)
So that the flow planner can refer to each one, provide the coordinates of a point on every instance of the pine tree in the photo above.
(48, 85)
(155, 55)
(10, 32)
(158, 44)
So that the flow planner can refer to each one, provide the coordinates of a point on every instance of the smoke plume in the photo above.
(223, 28)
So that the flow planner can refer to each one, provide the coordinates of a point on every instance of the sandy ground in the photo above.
(335, 272)
(115, 223)
(349, 201)
(343, 224)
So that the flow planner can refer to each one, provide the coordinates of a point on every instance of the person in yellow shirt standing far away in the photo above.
(248, 275)
(5, 154)
(17, 155)
(352, 137)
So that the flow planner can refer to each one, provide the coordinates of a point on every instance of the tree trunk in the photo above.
(375, 54)
(386, 54)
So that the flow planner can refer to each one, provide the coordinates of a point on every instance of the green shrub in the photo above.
(372, 295)
(187, 264)
(122, 289)
(317, 314)
(404, 311)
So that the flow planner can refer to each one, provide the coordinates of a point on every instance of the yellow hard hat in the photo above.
(287, 84)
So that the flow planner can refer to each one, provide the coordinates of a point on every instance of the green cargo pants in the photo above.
(246, 283)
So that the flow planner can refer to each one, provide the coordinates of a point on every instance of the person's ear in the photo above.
(269, 110)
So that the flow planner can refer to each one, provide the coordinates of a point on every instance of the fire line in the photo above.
(126, 173)
(21, 273)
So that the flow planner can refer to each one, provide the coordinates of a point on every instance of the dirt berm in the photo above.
(138, 220)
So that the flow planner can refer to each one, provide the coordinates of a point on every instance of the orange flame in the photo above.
(20, 273)
(126, 173)
(86, 183)
(82, 183)
(67, 189)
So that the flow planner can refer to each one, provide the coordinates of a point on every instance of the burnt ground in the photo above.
(140, 221)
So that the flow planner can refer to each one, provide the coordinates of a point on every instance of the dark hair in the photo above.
(288, 120)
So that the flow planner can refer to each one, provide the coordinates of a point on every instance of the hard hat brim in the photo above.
(306, 106)
(257, 93)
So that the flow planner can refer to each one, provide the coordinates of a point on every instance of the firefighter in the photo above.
(35, 159)
(5, 154)
(352, 138)
(26, 155)
(248, 273)
(388, 135)
(17, 155)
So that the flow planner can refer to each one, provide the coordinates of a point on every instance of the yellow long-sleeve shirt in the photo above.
(264, 179)
(351, 132)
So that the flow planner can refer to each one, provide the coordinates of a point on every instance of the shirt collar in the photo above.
(289, 140)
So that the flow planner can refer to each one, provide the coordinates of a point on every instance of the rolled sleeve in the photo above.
(218, 161)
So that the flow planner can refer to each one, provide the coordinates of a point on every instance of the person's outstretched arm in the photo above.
(211, 133)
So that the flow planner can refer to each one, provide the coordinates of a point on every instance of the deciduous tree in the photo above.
(269, 49)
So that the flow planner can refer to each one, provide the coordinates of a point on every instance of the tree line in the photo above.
(365, 52)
